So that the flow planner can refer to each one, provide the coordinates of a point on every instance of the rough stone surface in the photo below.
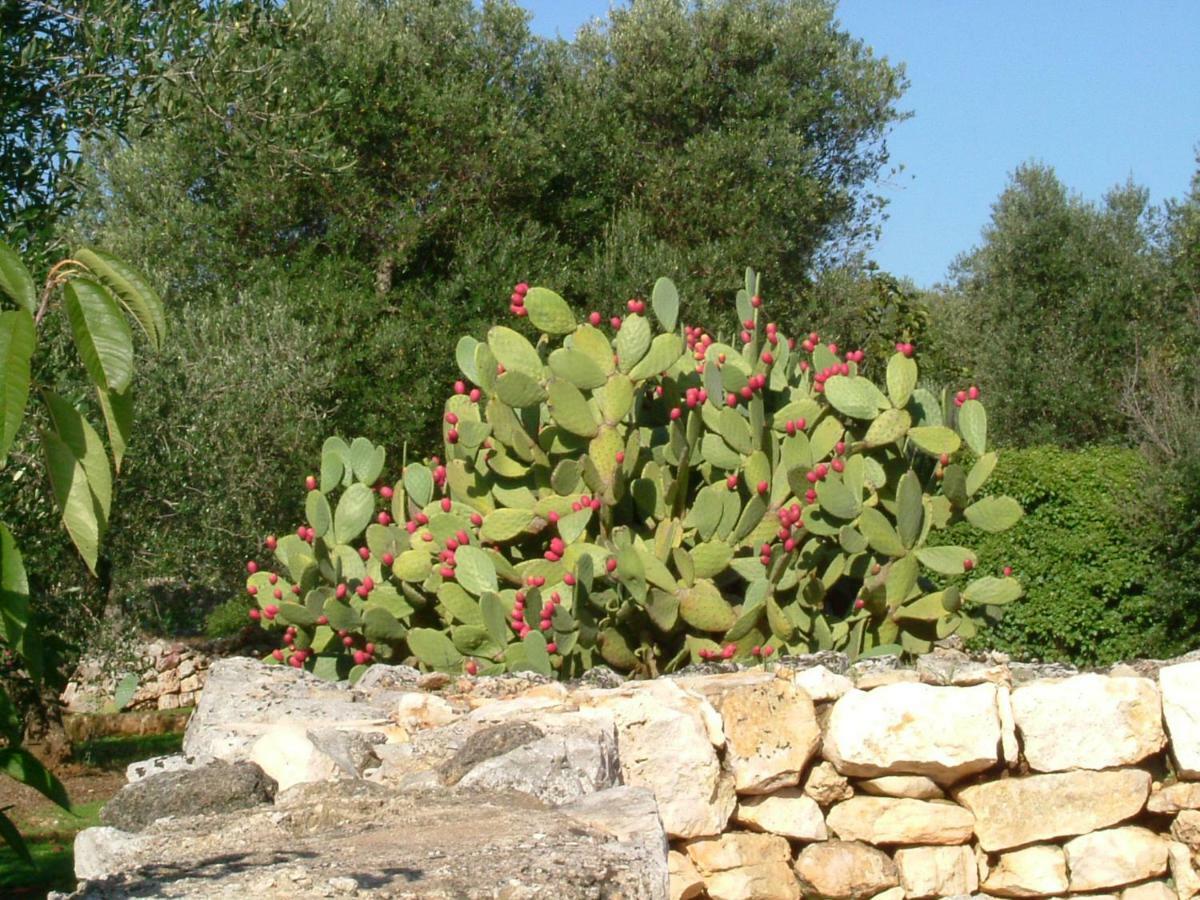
(1088, 722)
(788, 812)
(343, 837)
(1037, 871)
(1181, 709)
(915, 787)
(1010, 747)
(826, 785)
(1115, 857)
(937, 871)
(890, 820)
(915, 729)
(1151, 890)
(1171, 798)
(667, 740)
(1183, 870)
(1186, 828)
(745, 866)
(771, 730)
(821, 684)
(1018, 811)
(136, 771)
(686, 882)
(292, 754)
(213, 788)
(845, 870)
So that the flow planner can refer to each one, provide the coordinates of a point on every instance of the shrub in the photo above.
(645, 500)
(1084, 554)
(227, 619)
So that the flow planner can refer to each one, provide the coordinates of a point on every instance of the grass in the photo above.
(121, 750)
(49, 834)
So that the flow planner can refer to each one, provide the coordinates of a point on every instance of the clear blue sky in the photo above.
(1102, 90)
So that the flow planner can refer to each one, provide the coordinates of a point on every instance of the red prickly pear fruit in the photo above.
(610, 565)
(451, 419)
(386, 492)
(812, 477)
(297, 661)
(446, 572)
(810, 496)
(944, 459)
(1008, 570)
(840, 447)
(460, 387)
(859, 602)
(728, 651)
(463, 537)
(746, 337)
(545, 625)
(255, 615)
(476, 519)
(801, 424)
(721, 358)
(522, 288)
(973, 393)
(551, 647)
(615, 322)
(364, 553)
(620, 456)
(422, 519)
(676, 413)
(767, 651)
(748, 323)
(277, 593)
(347, 641)
(252, 567)
(632, 306)
(387, 559)
(271, 542)
(278, 654)
(360, 657)
(731, 482)
(446, 504)
(569, 580)
(968, 565)
(702, 396)
(251, 590)
(271, 610)
(322, 620)
(452, 436)
(960, 398)
(756, 650)
(475, 395)
(362, 591)
(311, 483)
(756, 301)
(731, 400)
(767, 357)
(383, 519)
(552, 517)
(789, 545)
(762, 488)
(822, 470)
(790, 428)
(410, 527)
(747, 392)
(341, 592)
(595, 318)
(838, 465)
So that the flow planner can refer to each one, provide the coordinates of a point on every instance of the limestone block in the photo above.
(1115, 857)
(915, 787)
(1171, 798)
(1183, 870)
(1186, 828)
(1151, 890)
(1180, 686)
(890, 820)
(845, 870)
(825, 785)
(1010, 748)
(291, 755)
(1018, 811)
(686, 882)
(416, 711)
(788, 812)
(1037, 871)
(739, 865)
(937, 871)
(821, 684)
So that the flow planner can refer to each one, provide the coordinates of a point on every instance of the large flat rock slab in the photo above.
(338, 838)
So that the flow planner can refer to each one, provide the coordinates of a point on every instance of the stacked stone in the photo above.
(170, 676)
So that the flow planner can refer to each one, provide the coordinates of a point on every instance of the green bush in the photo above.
(645, 497)
(1085, 555)
(227, 619)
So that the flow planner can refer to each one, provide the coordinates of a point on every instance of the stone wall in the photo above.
(170, 676)
(812, 778)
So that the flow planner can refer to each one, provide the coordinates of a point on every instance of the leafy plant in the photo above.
(96, 291)
(647, 500)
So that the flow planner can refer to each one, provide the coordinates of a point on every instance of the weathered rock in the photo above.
(915, 787)
(890, 820)
(915, 729)
(937, 871)
(626, 813)
(342, 837)
(293, 754)
(103, 851)
(1010, 748)
(666, 742)
(216, 787)
(243, 699)
(1186, 828)
(1018, 811)
(157, 765)
(686, 882)
(416, 711)
(1171, 798)
(822, 685)
(1151, 890)
(1088, 722)
(825, 785)
(770, 729)
(745, 866)
(1181, 709)
(788, 812)
(1183, 870)
(896, 893)
(1115, 857)
(1037, 871)
(845, 870)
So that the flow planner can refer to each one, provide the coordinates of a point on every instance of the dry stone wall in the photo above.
(812, 778)
(170, 675)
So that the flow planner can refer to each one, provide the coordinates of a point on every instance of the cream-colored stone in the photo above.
(890, 820)
(821, 684)
(1010, 749)
(1151, 890)
(288, 754)
(1183, 870)
(666, 738)
(1037, 871)
(168, 701)
(1088, 722)
(416, 711)
(741, 865)
(1017, 811)
(1186, 828)
(896, 893)
(1115, 857)
(845, 870)
(915, 729)
(937, 871)
(915, 787)
(1171, 798)
(771, 731)
(788, 812)
(1180, 686)
(825, 785)
(867, 681)
(685, 879)
(190, 684)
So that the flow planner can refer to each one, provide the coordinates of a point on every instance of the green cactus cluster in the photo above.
(639, 494)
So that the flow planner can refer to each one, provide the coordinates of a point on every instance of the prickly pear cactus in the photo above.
(639, 494)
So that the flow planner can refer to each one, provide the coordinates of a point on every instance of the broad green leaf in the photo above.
(549, 312)
(17, 339)
(418, 483)
(381, 625)
(665, 301)
(578, 368)
(513, 351)
(11, 836)
(317, 512)
(570, 409)
(935, 439)
(980, 472)
(901, 379)
(28, 770)
(118, 419)
(80, 512)
(592, 342)
(925, 408)
(928, 608)
(460, 604)
(837, 499)
(910, 510)
(464, 355)
(735, 430)
(412, 565)
(664, 352)
(947, 560)
(994, 513)
(901, 580)
(505, 524)
(710, 558)
(519, 389)
(633, 340)
(433, 649)
(101, 333)
(879, 533)
(366, 460)
(703, 607)
(75, 431)
(992, 591)
(890, 426)
(495, 617)
(717, 452)
(972, 424)
(474, 570)
(14, 604)
(855, 397)
(536, 656)
(15, 280)
(130, 289)
(355, 509)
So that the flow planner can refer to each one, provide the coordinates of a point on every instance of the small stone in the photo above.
(190, 685)
(745, 866)
(821, 684)
(1115, 857)
(433, 681)
(168, 701)
(1018, 811)
(845, 870)
(216, 787)
(1036, 871)
(1152, 890)
(937, 871)
(291, 755)
(1183, 870)
(896, 893)
(1181, 709)
(788, 812)
(915, 787)
(889, 820)
(686, 882)
(1171, 798)
(870, 680)
(1186, 828)
(826, 786)
(416, 711)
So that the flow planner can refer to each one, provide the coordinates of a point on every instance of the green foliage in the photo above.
(1086, 558)
(227, 619)
(96, 292)
(644, 500)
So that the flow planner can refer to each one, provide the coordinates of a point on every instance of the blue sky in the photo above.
(1102, 90)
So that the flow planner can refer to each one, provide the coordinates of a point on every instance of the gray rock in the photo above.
(345, 837)
(100, 852)
(157, 765)
(213, 788)
(486, 744)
